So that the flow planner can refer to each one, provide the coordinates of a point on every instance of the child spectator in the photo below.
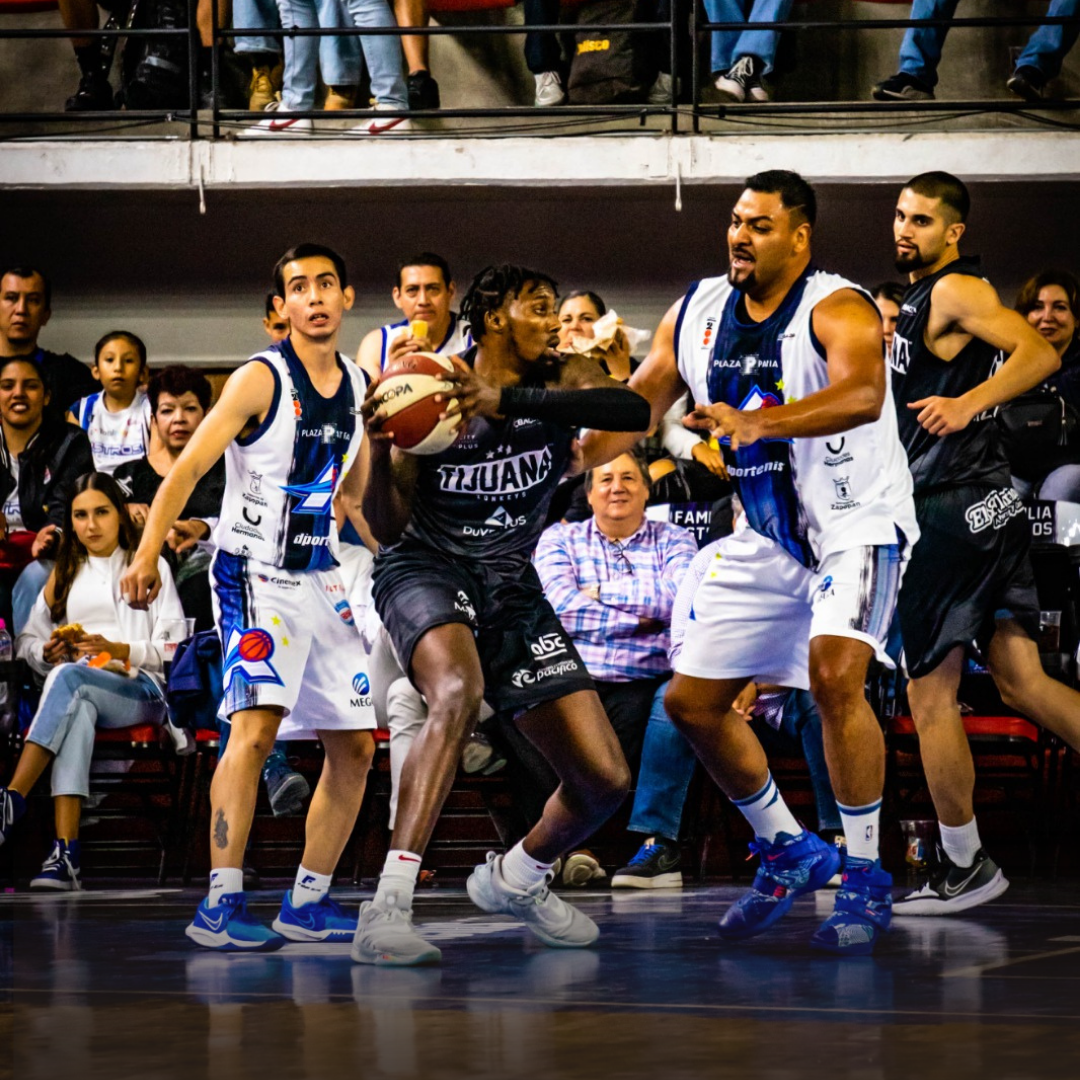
(117, 417)
(82, 599)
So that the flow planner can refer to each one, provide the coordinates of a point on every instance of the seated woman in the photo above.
(78, 619)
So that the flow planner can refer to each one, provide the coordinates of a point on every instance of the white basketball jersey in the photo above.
(458, 338)
(115, 437)
(280, 480)
(813, 496)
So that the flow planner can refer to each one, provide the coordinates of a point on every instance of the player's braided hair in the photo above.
(491, 287)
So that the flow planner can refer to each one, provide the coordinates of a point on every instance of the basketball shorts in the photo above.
(526, 656)
(289, 640)
(757, 608)
(970, 568)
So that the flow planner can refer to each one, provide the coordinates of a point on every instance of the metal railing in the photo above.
(684, 36)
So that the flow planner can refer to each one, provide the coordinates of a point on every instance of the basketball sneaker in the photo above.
(902, 87)
(228, 927)
(790, 867)
(951, 888)
(549, 917)
(385, 936)
(60, 871)
(742, 81)
(862, 913)
(277, 126)
(580, 868)
(655, 866)
(397, 125)
(12, 807)
(322, 921)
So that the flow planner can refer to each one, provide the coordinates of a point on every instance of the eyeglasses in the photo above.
(622, 560)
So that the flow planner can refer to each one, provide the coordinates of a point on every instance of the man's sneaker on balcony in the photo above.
(261, 91)
(862, 913)
(60, 871)
(94, 94)
(1028, 83)
(742, 81)
(386, 125)
(660, 92)
(423, 91)
(655, 866)
(903, 87)
(549, 90)
(790, 867)
(285, 787)
(277, 127)
(951, 888)
(339, 98)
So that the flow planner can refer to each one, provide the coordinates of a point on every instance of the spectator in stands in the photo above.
(612, 581)
(920, 54)
(741, 59)
(275, 325)
(117, 416)
(41, 458)
(888, 296)
(1050, 301)
(80, 616)
(423, 89)
(25, 309)
(382, 54)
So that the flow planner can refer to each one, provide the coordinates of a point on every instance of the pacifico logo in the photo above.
(601, 45)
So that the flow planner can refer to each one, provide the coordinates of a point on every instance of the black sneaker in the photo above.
(903, 87)
(423, 90)
(1028, 83)
(286, 788)
(94, 95)
(742, 81)
(655, 866)
(953, 888)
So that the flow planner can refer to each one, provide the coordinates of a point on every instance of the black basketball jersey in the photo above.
(974, 455)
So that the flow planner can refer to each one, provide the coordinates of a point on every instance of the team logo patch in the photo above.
(361, 684)
(247, 657)
(315, 498)
(343, 609)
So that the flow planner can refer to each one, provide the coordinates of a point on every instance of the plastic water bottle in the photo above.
(6, 655)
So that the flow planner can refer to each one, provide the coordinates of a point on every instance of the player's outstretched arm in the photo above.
(971, 306)
(351, 495)
(657, 380)
(248, 393)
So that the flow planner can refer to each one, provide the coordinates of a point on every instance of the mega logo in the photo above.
(362, 688)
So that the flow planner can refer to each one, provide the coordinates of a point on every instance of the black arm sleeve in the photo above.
(602, 408)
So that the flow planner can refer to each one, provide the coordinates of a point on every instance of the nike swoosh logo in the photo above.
(214, 924)
(405, 858)
(306, 921)
(952, 891)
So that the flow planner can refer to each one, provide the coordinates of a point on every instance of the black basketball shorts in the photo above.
(526, 656)
(969, 569)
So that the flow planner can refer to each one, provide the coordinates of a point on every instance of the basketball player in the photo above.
(786, 363)
(455, 589)
(425, 290)
(970, 578)
(287, 424)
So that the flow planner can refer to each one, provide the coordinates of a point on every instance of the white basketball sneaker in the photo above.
(275, 126)
(551, 919)
(385, 936)
(396, 125)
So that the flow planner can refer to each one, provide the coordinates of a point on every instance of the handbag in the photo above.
(1038, 430)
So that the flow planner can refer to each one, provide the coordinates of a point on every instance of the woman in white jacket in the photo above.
(84, 588)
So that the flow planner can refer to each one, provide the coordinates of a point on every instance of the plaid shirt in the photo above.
(638, 579)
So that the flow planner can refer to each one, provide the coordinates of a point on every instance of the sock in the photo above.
(309, 887)
(521, 871)
(861, 825)
(89, 59)
(767, 813)
(961, 842)
(399, 874)
(230, 879)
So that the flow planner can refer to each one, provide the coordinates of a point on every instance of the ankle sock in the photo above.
(229, 879)
(521, 871)
(861, 826)
(309, 887)
(767, 813)
(961, 842)
(399, 874)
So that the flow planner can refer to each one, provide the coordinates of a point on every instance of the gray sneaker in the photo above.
(951, 888)
(551, 919)
(385, 936)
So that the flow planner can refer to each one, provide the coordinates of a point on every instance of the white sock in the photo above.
(309, 887)
(228, 880)
(399, 874)
(767, 813)
(861, 827)
(961, 842)
(520, 870)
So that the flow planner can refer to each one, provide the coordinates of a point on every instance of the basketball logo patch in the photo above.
(247, 657)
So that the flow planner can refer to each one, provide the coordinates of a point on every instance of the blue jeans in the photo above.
(303, 55)
(1048, 46)
(729, 45)
(77, 699)
(920, 51)
(382, 52)
(802, 724)
(26, 591)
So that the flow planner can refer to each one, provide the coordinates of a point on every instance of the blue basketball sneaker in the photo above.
(863, 910)
(323, 921)
(229, 928)
(790, 867)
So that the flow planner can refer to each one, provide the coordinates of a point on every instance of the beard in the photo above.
(744, 284)
(912, 260)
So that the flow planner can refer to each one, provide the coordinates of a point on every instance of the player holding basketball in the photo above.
(455, 588)
(956, 355)
(786, 363)
(287, 422)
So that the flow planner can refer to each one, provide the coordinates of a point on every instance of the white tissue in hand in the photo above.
(604, 330)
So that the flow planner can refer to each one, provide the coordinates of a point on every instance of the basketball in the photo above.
(407, 394)
(255, 645)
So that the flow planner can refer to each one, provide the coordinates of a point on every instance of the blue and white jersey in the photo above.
(458, 338)
(115, 437)
(813, 496)
(280, 480)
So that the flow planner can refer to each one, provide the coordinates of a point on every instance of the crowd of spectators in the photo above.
(84, 449)
(580, 66)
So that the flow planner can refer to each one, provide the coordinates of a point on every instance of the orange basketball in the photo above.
(255, 645)
(406, 392)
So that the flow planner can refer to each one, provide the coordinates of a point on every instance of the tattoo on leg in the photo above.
(221, 830)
